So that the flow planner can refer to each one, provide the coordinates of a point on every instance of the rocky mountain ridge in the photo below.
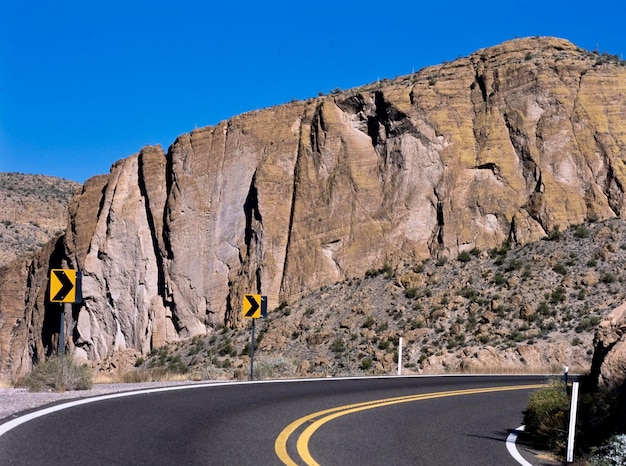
(34, 210)
(509, 144)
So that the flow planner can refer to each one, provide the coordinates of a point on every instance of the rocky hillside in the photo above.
(34, 210)
(508, 145)
(528, 309)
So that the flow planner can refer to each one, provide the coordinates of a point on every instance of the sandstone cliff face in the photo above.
(509, 143)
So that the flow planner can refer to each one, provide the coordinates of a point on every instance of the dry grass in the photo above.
(58, 374)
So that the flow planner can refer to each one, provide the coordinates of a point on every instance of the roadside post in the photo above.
(572, 423)
(254, 307)
(66, 288)
(400, 356)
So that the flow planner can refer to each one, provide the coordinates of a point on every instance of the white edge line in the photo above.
(512, 447)
(12, 424)
(7, 426)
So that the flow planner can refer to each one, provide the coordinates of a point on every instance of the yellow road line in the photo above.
(320, 418)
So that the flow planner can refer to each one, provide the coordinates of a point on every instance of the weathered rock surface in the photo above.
(510, 143)
(609, 359)
(34, 210)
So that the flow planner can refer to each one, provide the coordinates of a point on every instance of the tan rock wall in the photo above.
(506, 144)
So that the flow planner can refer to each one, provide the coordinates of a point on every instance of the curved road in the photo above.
(395, 420)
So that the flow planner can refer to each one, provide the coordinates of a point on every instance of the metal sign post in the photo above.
(62, 330)
(254, 306)
(66, 288)
(252, 352)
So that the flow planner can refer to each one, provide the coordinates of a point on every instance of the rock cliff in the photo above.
(34, 210)
(511, 143)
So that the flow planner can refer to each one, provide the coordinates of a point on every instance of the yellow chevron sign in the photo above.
(254, 306)
(63, 285)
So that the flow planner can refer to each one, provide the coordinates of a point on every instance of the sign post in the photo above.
(65, 287)
(254, 307)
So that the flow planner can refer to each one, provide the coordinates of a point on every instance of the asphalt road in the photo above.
(439, 422)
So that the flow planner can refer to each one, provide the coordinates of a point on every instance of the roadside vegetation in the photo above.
(547, 423)
(59, 374)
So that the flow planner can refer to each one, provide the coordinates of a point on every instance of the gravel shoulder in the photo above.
(17, 401)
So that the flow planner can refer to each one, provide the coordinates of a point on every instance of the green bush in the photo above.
(546, 417)
(338, 346)
(366, 363)
(59, 373)
(499, 279)
(581, 232)
(555, 234)
(464, 256)
(412, 293)
(369, 322)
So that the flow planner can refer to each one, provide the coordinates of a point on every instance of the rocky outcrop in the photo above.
(510, 143)
(34, 210)
(608, 368)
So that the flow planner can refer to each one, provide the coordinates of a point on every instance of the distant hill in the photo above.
(34, 209)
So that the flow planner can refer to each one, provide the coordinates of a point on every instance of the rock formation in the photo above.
(609, 360)
(34, 210)
(508, 144)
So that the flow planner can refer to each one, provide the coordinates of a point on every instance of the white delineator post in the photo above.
(572, 423)
(400, 356)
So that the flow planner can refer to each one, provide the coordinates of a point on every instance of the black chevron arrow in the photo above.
(66, 287)
(253, 306)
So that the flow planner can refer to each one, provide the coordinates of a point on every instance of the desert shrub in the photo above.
(59, 373)
(501, 251)
(369, 322)
(387, 270)
(412, 293)
(581, 232)
(546, 417)
(338, 346)
(587, 323)
(514, 264)
(273, 368)
(469, 293)
(555, 234)
(611, 453)
(419, 268)
(557, 295)
(227, 349)
(464, 256)
(499, 279)
(384, 345)
(176, 365)
(366, 363)
(607, 278)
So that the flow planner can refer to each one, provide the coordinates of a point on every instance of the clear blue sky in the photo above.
(86, 83)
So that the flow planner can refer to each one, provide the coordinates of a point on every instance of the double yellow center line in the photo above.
(320, 418)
